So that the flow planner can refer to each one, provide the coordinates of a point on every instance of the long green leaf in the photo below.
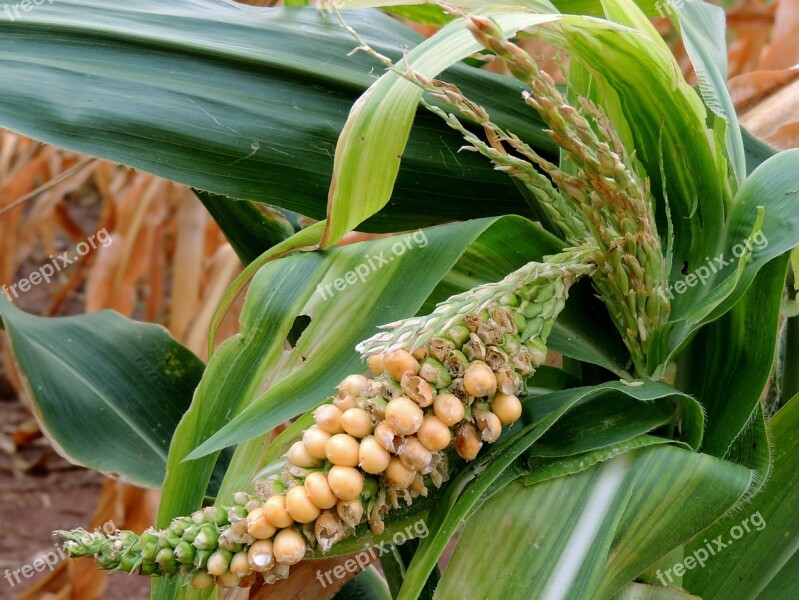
(107, 391)
(236, 100)
(759, 557)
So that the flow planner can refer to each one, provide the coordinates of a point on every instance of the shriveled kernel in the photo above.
(507, 407)
(350, 511)
(373, 457)
(414, 455)
(387, 437)
(400, 362)
(375, 364)
(354, 384)
(434, 433)
(345, 401)
(342, 449)
(404, 415)
(298, 455)
(319, 490)
(276, 513)
(289, 546)
(315, 438)
(420, 353)
(489, 425)
(398, 475)
(258, 526)
(346, 482)
(300, 506)
(449, 409)
(261, 556)
(328, 530)
(328, 417)
(479, 380)
(417, 389)
(356, 422)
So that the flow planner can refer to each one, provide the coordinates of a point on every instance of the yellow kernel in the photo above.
(434, 433)
(373, 458)
(404, 415)
(300, 506)
(276, 513)
(319, 490)
(342, 449)
(346, 482)
(449, 409)
(356, 422)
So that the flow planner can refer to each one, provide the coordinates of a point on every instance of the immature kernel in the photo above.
(373, 458)
(228, 580)
(404, 415)
(298, 455)
(398, 475)
(400, 362)
(240, 565)
(346, 482)
(315, 438)
(507, 407)
(300, 506)
(375, 364)
(356, 422)
(328, 417)
(354, 384)
(276, 513)
(414, 455)
(218, 563)
(261, 556)
(289, 547)
(479, 380)
(434, 433)
(344, 401)
(258, 527)
(202, 580)
(449, 409)
(319, 490)
(342, 449)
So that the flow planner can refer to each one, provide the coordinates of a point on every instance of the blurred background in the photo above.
(168, 263)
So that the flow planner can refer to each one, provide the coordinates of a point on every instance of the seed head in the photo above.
(315, 439)
(373, 457)
(404, 415)
(356, 422)
(300, 506)
(479, 380)
(319, 490)
(342, 449)
(346, 482)
(289, 546)
(449, 409)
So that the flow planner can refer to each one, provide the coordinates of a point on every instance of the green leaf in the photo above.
(367, 585)
(239, 101)
(489, 473)
(763, 560)
(586, 535)
(107, 391)
(728, 364)
(704, 35)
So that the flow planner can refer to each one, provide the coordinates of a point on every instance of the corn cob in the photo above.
(449, 386)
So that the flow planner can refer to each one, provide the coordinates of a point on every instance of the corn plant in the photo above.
(622, 220)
